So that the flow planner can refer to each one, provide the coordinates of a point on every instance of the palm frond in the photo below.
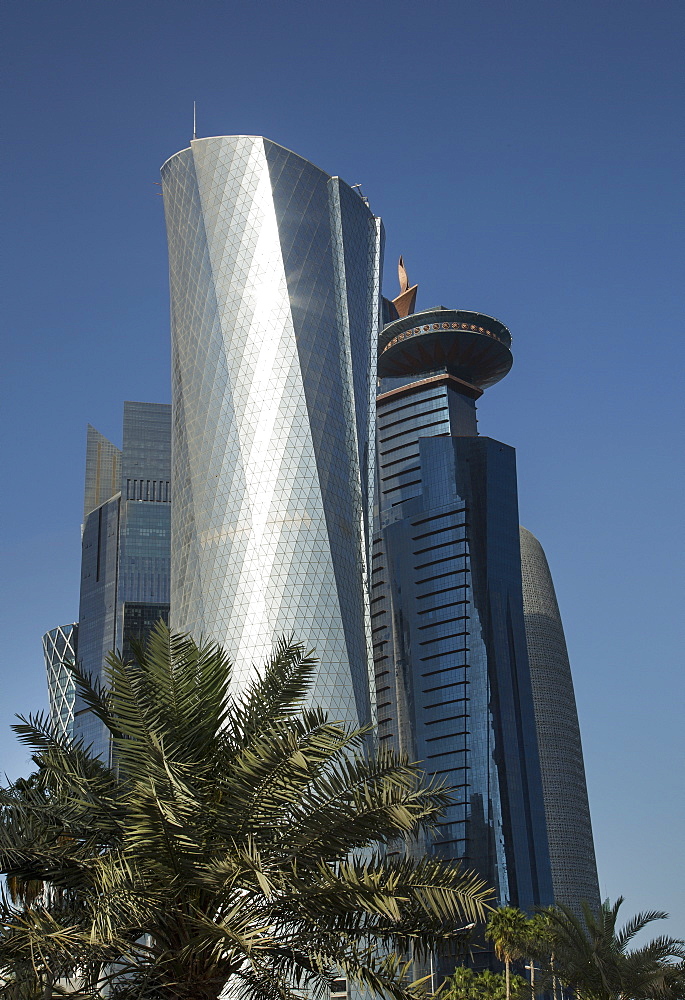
(280, 690)
(635, 925)
(236, 838)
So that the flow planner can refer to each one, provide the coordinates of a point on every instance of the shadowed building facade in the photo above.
(125, 546)
(453, 681)
(274, 276)
(569, 829)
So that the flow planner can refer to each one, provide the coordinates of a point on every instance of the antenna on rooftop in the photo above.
(194, 121)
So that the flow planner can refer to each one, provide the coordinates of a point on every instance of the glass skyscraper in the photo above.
(569, 829)
(60, 648)
(452, 673)
(329, 482)
(274, 275)
(125, 545)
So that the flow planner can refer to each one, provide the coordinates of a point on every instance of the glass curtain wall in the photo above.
(125, 562)
(274, 274)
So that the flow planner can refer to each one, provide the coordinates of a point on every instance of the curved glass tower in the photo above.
(571, 847)
(274, 274)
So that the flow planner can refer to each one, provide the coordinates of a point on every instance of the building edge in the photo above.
(567, 810)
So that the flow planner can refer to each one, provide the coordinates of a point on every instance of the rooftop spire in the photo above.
(194, 121)
(406, 300)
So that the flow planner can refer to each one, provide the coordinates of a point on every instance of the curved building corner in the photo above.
(567, 811)
(275, 303)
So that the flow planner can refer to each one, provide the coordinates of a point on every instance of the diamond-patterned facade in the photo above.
(60, 647)
(274, 274)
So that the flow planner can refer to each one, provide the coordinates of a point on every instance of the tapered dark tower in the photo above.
(452, 672)
(569, 829)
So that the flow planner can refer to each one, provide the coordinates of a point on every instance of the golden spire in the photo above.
(406, 300)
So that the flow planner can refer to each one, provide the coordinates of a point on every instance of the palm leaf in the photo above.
(236, 838)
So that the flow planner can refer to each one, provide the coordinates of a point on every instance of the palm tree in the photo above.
(466, 984)
(538, 947)
(237, 839)
(509, 932)
(593, 959)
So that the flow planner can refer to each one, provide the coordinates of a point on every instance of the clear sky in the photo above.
(527, 160)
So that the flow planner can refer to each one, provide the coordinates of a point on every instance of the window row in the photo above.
(155, 490)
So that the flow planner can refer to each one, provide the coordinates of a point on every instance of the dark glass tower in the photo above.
(571, 846)
(452, 672)
(126, 545)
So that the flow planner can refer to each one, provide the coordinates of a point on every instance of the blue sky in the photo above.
(527, 160)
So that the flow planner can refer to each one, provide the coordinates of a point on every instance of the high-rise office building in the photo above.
(60, 649)
(452, 672)
(103, 470)
(569, 830)
(125, 546)
(274, 275)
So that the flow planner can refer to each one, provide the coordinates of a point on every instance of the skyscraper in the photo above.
(278, 488)
(569, 830)
(452, 673)
(125, 545)
(60, 648)
(274, 275)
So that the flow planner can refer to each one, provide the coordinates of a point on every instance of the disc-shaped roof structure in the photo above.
(472, 346)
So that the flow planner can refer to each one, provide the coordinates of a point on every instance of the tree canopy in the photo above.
(467, 984)
(589, 955)
(593, 958)
(237, 837)
(509, 930)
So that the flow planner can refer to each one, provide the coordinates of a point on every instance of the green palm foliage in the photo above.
(466, 984)
(539, 947)
(593, 959)
(509, 931)
(237, 839)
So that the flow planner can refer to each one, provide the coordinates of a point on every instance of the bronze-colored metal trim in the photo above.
(465, 388)
(434, 327)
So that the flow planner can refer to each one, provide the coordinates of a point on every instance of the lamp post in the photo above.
(466, 927)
